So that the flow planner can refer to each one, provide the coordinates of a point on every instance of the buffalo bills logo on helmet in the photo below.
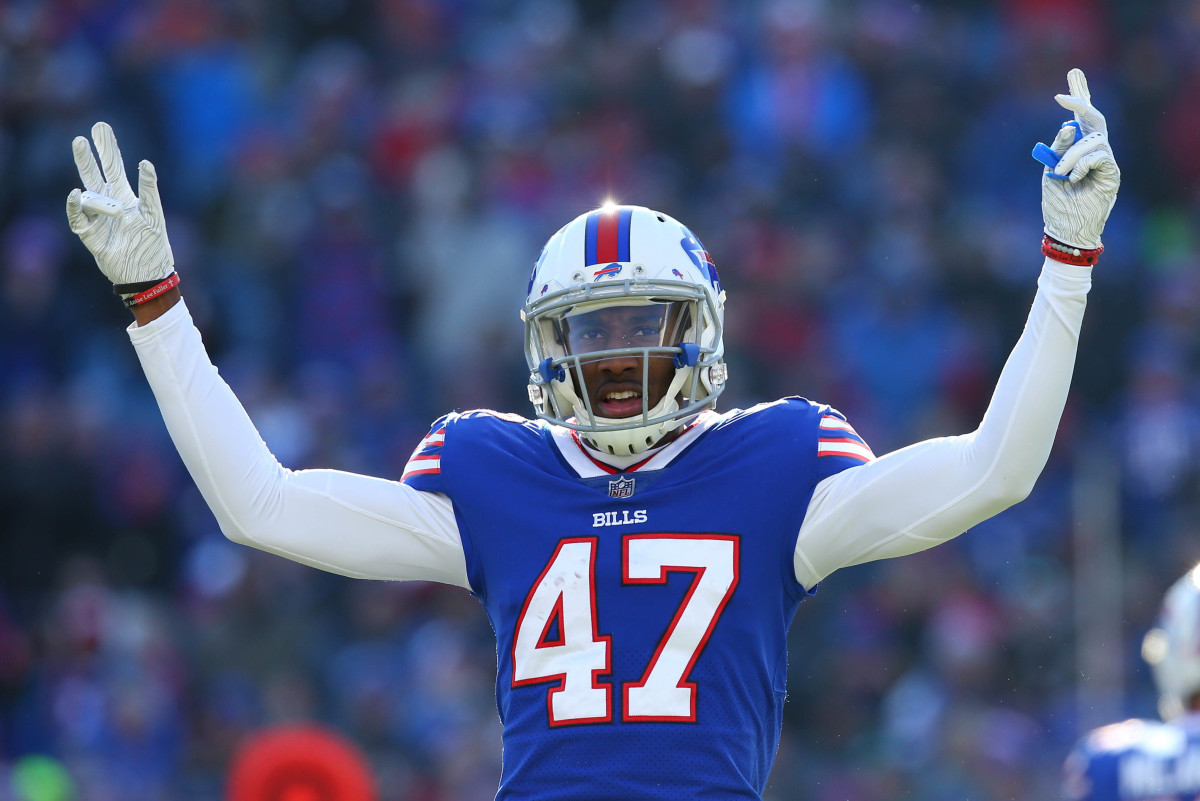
(607, 272)
(699, 256)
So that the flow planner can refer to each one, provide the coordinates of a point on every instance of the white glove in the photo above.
(1075, 210)
(129, 238)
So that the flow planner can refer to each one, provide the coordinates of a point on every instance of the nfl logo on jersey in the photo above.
(621, 488)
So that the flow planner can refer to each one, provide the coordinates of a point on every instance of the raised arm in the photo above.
(345, 523)
(925, 494)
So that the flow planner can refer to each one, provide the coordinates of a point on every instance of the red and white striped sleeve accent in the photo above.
(838, 438)
(426, 460)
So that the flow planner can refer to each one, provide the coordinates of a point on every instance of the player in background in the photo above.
(1150, 760)
(640, 555)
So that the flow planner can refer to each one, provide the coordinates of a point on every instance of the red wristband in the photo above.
(1068, 254)
(170, 282)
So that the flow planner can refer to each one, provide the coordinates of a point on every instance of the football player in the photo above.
(640, 554)
(1150, 759)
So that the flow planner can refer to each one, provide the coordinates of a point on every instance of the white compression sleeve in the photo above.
(930, 492)
(341, 522)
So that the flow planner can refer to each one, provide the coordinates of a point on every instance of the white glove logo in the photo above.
(125, 233)
(1075, 209)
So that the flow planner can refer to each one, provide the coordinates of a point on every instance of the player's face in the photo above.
(617, 386)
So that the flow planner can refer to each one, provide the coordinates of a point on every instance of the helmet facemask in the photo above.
(595, 332)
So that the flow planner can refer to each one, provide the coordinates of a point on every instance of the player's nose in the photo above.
(618, 365)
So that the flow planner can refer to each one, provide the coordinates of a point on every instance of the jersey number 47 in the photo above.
(574, 656)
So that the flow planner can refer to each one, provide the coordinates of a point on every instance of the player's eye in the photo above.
(646, 332)
(589, 339)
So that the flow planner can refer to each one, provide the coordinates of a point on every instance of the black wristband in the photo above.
(137, 286)
(168, 283)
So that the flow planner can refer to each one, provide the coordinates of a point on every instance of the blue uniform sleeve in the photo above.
(839, 447)
(424, 468)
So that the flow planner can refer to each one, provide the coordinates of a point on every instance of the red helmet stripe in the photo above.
(606, 236)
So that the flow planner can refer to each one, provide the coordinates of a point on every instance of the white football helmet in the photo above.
(1172, 648)
(624, 256)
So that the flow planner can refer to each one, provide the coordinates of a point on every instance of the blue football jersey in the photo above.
(641, 615)
(1137, 759)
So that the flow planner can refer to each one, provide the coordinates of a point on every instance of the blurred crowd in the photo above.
(356, 190)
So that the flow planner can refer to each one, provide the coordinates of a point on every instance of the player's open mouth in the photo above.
(621, 403)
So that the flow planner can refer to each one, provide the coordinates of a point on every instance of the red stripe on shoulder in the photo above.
(428, 472)
(857, 456)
